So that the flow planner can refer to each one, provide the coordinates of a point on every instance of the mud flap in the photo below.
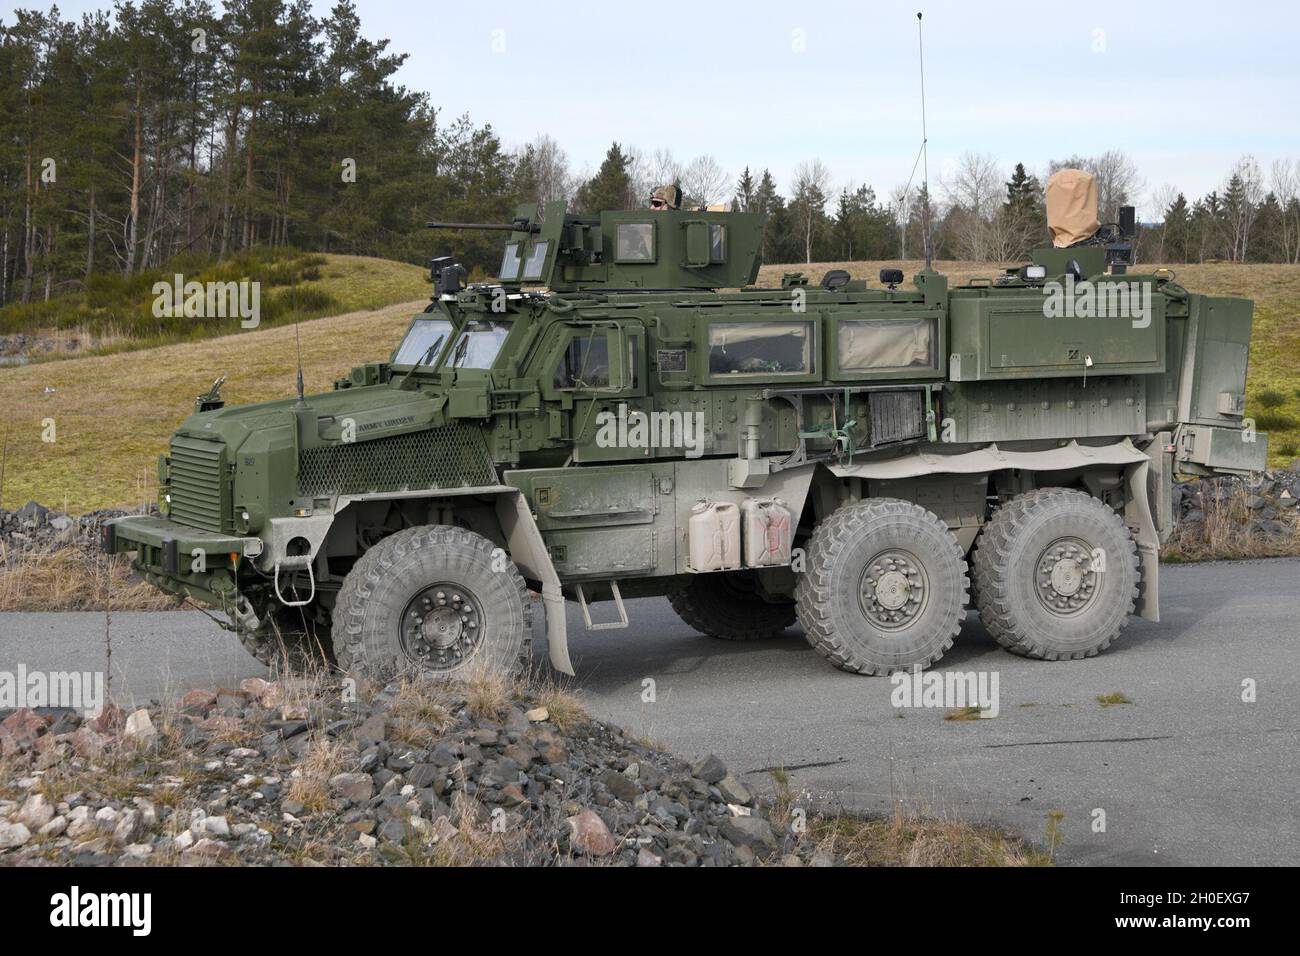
(528, 551)
(1138, 516)
(1137, 513)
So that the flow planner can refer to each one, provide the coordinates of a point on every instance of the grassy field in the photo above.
(113, 413)
(113, 314)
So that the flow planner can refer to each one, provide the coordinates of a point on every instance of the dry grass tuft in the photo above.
(74, 580)
(912, 840)
(1224, 533)
(422, 711)
(1111, 700)
(488, 692)
(565, 708)
(324, 759)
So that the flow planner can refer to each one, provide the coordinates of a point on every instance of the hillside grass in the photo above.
(114, 412)
(1273, 379)
(110, 313)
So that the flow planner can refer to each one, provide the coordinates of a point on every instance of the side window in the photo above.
(717, 242)
(876, 345)
(635, 242)
(585, 363)
(536, 260)
(510, 262)
(760, 348)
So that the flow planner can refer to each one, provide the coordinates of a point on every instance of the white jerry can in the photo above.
(713, 536)
(768, 532)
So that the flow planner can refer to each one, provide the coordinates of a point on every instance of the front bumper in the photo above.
(178, 558)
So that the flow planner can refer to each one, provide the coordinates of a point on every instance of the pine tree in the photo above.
(1176, 230)
(745, 192)
(1024, 194)
(610, 188)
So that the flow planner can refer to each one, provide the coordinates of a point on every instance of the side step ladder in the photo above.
(618, 604)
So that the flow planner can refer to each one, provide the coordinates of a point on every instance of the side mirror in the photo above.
(891, 277)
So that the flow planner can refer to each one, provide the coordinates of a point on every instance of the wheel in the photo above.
(1056, 575)
(290, 638)
(885, 587)
(437, 597)
(729, 606)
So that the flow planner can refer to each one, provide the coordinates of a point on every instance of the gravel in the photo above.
(424, 773)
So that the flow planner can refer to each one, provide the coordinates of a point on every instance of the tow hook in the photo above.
(294, 563)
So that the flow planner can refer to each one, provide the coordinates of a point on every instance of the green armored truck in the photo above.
(623, 413)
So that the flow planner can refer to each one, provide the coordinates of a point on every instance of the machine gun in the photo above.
(519, 224)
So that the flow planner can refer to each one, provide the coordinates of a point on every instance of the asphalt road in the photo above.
(1188, 773)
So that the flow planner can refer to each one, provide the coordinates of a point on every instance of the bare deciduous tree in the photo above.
(704, 182)
(974, 190)
(1286, 187)
(554, 180)
(1241, 198)
(1161, 199)
(811, 182)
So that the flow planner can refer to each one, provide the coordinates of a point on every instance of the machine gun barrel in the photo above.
(517, 226)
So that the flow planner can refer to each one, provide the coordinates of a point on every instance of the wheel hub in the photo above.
(1067, 581)
(441, 626)
(893, 590)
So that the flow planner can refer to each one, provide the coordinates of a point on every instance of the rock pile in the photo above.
(293, 772)
(34, 528)
(26, 345)
(1264, 505)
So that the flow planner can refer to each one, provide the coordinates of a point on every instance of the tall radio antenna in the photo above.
(925, 152)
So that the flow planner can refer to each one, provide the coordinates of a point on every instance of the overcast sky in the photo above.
(1185, 88)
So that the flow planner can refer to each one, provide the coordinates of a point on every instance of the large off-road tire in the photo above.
(1056, 575)
(290, 638)
(433, 597)
(727, 605)
(885, 587)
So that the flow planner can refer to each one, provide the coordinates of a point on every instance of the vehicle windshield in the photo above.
(423, 342)
(478, 344)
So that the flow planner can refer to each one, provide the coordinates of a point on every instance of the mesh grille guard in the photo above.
(453, 456)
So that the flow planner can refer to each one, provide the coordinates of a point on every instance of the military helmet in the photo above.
(671, 196)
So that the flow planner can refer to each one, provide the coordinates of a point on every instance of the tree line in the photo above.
(174, 131)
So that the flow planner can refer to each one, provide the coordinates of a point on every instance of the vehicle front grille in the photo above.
(197, 484)
(453, 456)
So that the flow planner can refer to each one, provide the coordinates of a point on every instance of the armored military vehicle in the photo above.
(623, 413)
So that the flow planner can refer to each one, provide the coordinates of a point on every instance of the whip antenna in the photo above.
(298, 344)
(925, 153)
